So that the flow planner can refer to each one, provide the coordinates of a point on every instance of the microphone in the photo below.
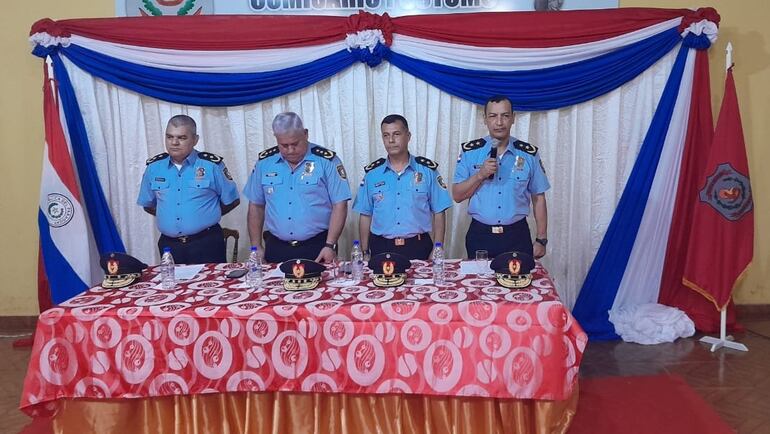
(493, 154)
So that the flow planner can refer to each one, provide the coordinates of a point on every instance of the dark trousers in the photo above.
(207, 246)
(417, 247)
(278, 250)
(514, 238)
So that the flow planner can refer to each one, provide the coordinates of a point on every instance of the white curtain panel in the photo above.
(588, 149)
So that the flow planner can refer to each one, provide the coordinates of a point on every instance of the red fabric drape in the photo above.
(242, 32)
(541, 29)
(212, 32)
(699, 135)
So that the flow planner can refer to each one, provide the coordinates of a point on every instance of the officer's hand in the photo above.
(326, 256)
(488, 168)
(538, 250)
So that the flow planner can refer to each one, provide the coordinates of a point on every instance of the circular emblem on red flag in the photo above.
(728, 192)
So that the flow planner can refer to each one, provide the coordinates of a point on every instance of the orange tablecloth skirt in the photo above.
(317, 413)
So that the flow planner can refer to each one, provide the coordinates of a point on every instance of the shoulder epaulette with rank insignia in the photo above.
(473, 144)
(268, 152)
(208, 156)
(430, 164)
(374, 164)
(323, 152)
(526, 147)
(156, 158)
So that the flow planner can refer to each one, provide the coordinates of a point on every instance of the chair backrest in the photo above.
(227, 232)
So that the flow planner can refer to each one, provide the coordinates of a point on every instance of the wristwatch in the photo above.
(542, 241)
(332, 246)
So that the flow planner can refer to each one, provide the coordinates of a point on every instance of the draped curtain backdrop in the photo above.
(605, 95)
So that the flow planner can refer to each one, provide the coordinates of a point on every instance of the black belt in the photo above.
(298, 243)
(400, 241)
(184, 239)
(497, 229)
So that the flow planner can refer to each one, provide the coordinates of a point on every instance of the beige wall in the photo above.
(21, 138)
(21, 131)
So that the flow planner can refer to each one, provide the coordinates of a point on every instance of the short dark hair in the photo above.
(497, 98)
(184, 120)
(389, 119)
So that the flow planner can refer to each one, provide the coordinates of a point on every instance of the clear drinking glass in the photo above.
(482, 263)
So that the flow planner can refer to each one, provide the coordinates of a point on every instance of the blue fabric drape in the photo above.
(541, 89)
(603, 280)
(548, 88)
(207, 88)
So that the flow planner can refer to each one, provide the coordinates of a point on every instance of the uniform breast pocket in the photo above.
(271, 183)
(420, 193)
(380, 195)
(159, 188)
(310, 185)
(199, 187)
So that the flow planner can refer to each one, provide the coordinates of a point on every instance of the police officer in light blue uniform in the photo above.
(401, 198)
(298, 195)
(501, 176)
(188, 191)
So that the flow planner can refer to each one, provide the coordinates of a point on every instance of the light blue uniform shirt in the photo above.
(402, 205)
(186, 200)
(505, 199)
(298, 203)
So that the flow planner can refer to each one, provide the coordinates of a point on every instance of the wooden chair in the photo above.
(227, 232)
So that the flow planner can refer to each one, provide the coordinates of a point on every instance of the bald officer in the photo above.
(501, 176)
(402, 198)
(188, 192)
(298, 194)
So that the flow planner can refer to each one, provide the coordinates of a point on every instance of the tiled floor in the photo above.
(736, 384)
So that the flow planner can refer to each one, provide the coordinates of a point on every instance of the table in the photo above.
(212, 337)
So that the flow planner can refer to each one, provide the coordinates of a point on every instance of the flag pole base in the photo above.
(717, 343)
(723, 341)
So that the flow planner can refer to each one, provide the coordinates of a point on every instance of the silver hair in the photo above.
(287, 123)
(184, 121)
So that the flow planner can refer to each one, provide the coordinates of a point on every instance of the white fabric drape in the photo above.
(588, 149)
(641, 281)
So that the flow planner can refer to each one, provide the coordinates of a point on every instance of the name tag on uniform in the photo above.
(271, 174)
(159, 179)
(379, 184)
(497, 229)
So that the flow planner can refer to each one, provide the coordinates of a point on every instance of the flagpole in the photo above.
(724, 340)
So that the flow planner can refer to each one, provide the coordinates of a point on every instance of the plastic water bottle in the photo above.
(357, 261)
(254, 268)
(167, 277)
(439, 276)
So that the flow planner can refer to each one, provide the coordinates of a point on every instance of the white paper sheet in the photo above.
(475, 267)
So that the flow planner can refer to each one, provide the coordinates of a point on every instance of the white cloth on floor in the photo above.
(651, 323)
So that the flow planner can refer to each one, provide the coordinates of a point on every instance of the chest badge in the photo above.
(519, 162)
(269, 190)
(417, 178)
(309, 168)
(200, 173)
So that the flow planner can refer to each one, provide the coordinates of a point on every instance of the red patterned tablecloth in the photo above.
(212, 334)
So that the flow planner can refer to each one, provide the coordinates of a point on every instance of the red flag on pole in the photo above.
(721, 243)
